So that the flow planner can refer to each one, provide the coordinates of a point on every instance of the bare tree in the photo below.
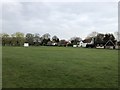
(29, 38)
(46, 36)
(37, 39)
(93, 34)
(45, 39)
(117, 35)
(75, 40)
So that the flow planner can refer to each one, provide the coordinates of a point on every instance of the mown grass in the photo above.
(59, 67)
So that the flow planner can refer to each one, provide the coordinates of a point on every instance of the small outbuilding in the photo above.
(74, 45)
(26, 44)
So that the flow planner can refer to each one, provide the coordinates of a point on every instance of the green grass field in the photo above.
(59, 67)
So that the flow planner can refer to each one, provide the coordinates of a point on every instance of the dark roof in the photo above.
(109, 43)
(88, 40)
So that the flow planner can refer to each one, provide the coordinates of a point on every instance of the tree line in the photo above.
(18, 39)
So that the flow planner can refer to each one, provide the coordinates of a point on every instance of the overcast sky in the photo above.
(64, 19)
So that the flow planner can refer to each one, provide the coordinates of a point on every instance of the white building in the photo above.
(74, 45)
(82, 44)
(26, 44)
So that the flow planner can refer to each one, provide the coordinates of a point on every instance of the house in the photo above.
(99, 46)
(110, 45)
(89, 42)
(62, 43)
(82, 44)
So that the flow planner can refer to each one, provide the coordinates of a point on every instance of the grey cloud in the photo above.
(62, 19)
